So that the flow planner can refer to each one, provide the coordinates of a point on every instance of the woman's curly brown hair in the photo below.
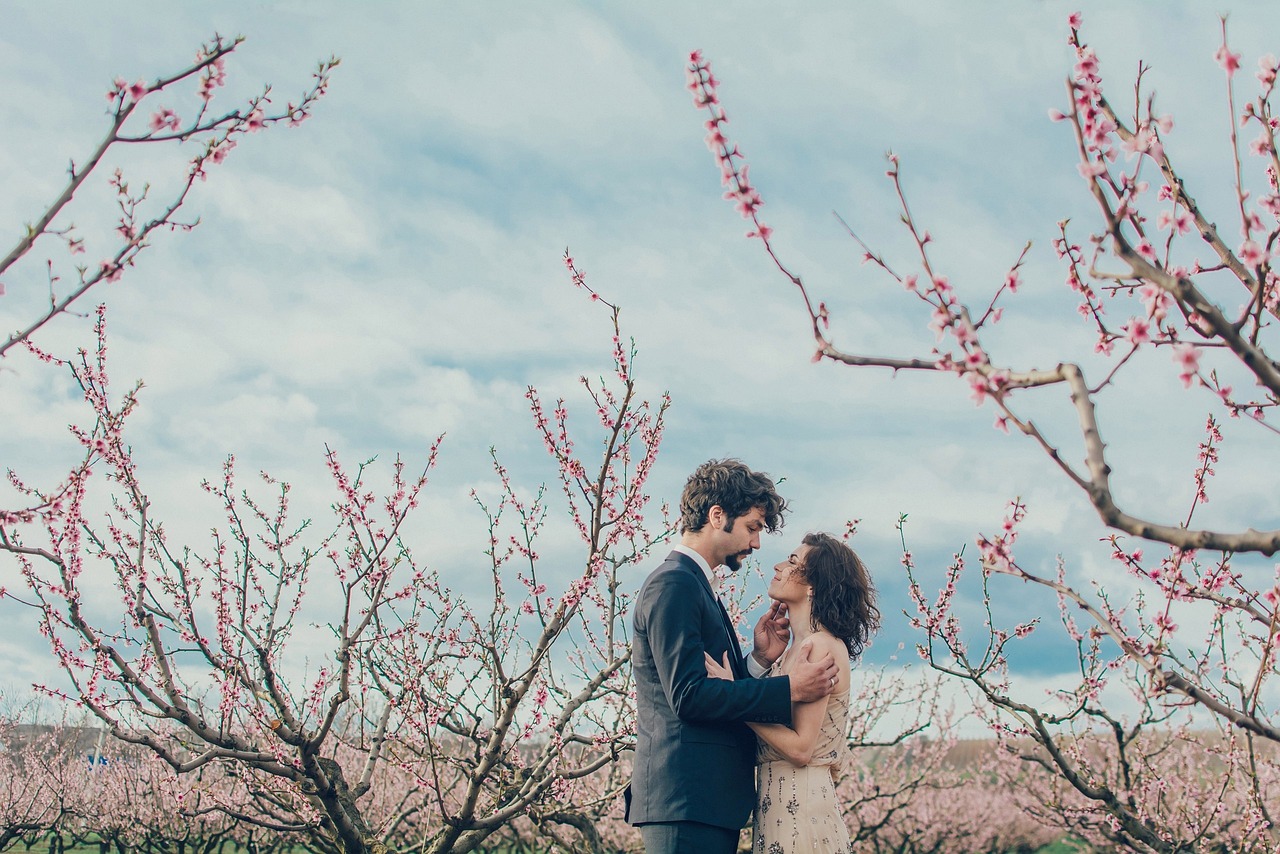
(844, 599)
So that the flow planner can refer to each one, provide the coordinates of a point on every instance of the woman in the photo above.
(831, 603)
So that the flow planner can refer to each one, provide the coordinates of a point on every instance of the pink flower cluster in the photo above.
(746, 198)
(122, 90)
(215, 75)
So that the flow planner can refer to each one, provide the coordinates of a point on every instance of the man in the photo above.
(693, 785)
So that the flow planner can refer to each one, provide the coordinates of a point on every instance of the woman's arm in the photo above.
(796, 742)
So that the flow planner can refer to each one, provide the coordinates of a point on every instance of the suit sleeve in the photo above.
(680, 630)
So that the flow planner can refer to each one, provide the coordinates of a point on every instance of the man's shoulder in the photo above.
(676, 570)
(673, 562)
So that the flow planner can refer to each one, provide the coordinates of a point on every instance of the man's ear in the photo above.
(716, 516)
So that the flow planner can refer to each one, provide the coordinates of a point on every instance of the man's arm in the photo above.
(795, 742)
(810, 679)
(676, 606)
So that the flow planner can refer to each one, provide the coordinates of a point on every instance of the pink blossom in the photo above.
(1144, 142)
(215, 75)
(1074, 20)
(1092, 168)
(1144, 249)
(1137, 331)
(1267, 67)
(1179, 219)
(941, 320)
(715, 139)
(978, 388)
(1056, 115)
(137, 90)
(221, 151)
(1087, 64)
(1156, 299)
(1251, 254)
(164, 118)
(1228, 60)
(255, 121)
(1187, 358)
(909, 282)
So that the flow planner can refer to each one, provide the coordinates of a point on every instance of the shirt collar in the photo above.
(699, 560)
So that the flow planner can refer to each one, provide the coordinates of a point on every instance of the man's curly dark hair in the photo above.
(735, 488)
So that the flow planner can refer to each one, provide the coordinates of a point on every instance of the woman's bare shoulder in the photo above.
(823, 642)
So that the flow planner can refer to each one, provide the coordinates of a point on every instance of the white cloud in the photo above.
(316, 222)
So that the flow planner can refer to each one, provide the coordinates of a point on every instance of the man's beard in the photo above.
(734, 561)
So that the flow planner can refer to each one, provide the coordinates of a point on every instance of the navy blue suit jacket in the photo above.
(695, 756)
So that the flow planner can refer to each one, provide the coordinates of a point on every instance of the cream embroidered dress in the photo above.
(796, 808)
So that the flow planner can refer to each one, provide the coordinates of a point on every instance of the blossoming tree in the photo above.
(1197, 646)
(284, 670)
(140, 219)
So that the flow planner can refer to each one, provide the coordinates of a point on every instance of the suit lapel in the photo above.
(736, 659)
(739, 671)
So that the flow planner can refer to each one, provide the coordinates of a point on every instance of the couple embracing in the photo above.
(709, 720)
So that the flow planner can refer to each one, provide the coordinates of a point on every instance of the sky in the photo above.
(391, 270)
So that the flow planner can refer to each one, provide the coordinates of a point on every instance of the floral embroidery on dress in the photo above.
(797, 811)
